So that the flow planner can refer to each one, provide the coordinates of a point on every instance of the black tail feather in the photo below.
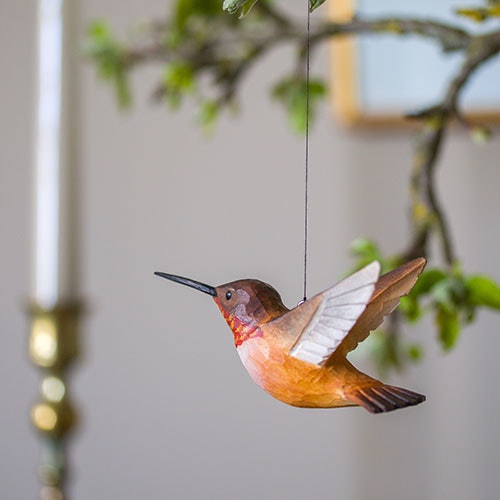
(383, 398)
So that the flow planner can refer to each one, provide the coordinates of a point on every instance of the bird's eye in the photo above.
(228, 295)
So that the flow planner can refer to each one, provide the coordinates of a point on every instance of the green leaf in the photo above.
(208, 114)
(184, 10)
(441, 293)
(426, 281)
(178, 79)
(451, 293)
(247, 8)
(415, 352)
(410, 307)
(98, 31)
(179, 75)
(108, 54)
(480, 14)
(233, 6)
(483, 291)
(366, 251)
(314, 4)
(364, 247)
(446, 292)
(122, 89)
(292, 92)
(448, 327)
(477, 15)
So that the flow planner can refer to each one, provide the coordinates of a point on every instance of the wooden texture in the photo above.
(265, 333)
(299, 356)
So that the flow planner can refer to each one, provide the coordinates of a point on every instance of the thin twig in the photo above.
(426, 210)
(450, 37)
(228, 50)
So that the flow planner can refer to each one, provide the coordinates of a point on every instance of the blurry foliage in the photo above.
(204, 53)
(292, 92)
(243, 6)
(480, 14)
(201, 39)
(448, 295)
(110, 60)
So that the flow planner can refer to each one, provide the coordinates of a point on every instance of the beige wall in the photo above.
(168, 411)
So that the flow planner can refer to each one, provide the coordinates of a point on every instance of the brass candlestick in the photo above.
(53, 347)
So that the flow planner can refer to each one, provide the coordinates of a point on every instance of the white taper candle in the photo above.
(54, 203)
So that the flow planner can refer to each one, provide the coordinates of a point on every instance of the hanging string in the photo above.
(306, 180)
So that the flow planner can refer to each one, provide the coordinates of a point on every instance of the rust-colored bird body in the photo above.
(299, 356)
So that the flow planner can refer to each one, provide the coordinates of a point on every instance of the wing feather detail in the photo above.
(338, 311)
(386, 297)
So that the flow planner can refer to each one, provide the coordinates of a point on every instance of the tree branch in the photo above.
(224, 50)
(450, 37)
(426, 211)
(227, 50)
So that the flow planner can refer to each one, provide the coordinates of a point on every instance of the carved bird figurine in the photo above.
(299, 356)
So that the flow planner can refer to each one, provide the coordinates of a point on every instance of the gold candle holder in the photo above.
(53, 347)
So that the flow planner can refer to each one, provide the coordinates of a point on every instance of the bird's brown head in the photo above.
(245, 304)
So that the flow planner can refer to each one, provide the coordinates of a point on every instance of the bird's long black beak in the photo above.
(186, 281)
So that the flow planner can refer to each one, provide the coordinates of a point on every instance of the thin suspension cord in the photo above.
(306, 180)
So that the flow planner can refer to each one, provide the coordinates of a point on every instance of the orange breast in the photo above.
(293, 381)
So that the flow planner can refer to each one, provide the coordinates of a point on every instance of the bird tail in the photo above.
(383, 398)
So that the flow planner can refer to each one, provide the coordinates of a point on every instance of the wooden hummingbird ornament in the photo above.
(299, 356)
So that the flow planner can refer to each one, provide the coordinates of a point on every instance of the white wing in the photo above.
(339, 310)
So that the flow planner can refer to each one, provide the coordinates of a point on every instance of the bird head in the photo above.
(247, 302)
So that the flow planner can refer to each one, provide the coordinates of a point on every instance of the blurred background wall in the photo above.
(166, 409)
